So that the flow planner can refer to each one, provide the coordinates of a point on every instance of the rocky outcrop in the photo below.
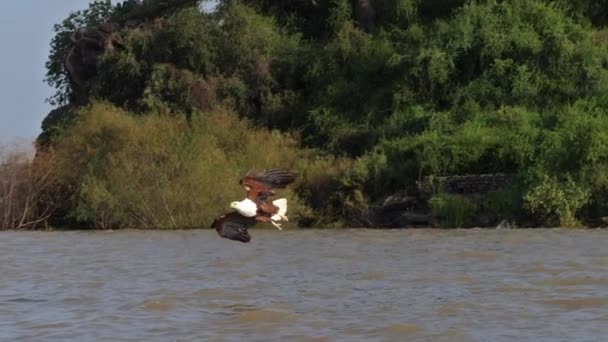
(410, 210)
(91, 42)
(399, 210)
(88, 45)
(468, 184)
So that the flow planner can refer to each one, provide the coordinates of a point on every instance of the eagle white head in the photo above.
(245, 207)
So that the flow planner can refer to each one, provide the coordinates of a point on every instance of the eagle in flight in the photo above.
(255, 207)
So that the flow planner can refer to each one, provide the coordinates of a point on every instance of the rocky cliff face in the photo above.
(472, 184)
(411, 210)
(88, 45)
(401, 210)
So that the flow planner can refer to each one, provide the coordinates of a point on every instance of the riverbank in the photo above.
(393, 113)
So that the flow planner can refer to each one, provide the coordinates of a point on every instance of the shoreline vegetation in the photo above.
(394, 114)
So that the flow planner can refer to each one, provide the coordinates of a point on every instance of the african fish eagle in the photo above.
(255, 207)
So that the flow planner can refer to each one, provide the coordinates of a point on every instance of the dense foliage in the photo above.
(155, 171)
(370, 98)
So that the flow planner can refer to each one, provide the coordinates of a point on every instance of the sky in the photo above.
(26, 30)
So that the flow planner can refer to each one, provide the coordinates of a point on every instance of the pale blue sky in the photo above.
(26, 29)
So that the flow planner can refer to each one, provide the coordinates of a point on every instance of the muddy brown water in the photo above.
(312, 285)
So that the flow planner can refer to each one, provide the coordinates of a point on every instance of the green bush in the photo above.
(560, 198)
(366, 103)
(453, 211)
(158, 171)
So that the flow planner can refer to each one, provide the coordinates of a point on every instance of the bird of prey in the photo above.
(255, 207)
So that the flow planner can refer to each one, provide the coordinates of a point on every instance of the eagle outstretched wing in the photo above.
(262, 184)
(233, 226)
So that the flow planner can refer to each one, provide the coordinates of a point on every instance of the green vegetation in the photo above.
(156, 171)
(363, 98)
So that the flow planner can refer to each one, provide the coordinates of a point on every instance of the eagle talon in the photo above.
(278, 225)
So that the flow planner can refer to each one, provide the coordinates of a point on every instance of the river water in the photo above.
(305, 285)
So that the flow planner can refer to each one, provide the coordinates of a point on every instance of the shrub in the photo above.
(159, 171)
(453, 211)
(559, 199)
(29, 188)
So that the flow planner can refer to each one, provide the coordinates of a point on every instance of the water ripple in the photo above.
(309, 285)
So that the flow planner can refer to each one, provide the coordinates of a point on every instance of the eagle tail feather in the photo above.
(281, 203)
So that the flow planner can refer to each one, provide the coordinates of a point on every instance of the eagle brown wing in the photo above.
(262, 184)
(233, 226)
(266, 208)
